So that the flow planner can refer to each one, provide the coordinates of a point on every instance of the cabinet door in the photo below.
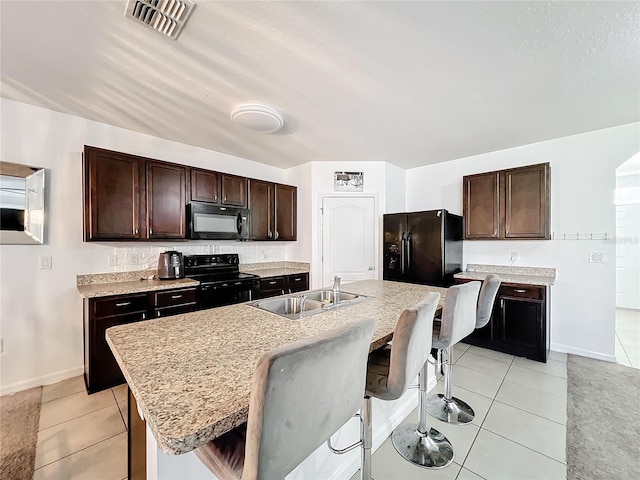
(286, 213)
(111, 195)
(205, 186)
(526, 210)
(261, 205)
(166, 184)
(520, 328)
(234, 190)
(481, 208)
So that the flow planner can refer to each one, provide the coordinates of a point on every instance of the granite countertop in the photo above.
(278, 272)
(510, 274)
(133, 286)
(191, 374)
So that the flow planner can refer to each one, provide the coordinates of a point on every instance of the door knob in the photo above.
(370, 268)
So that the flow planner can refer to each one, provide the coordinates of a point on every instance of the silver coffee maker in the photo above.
(170, 265)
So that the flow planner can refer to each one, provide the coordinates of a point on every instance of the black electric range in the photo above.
(221, 282)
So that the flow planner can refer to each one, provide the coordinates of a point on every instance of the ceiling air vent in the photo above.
(165, 16)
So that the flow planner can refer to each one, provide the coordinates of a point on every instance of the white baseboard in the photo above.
(583, 353)
(43, 380)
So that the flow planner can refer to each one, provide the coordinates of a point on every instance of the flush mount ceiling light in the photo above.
(257, 117)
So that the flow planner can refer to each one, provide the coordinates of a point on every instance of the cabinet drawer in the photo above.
(170, 298)
(298, 282)
(272, 283)
(109, 306)
(175, 310)
(524, 291)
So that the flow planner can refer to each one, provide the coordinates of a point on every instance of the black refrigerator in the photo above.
(422, 247)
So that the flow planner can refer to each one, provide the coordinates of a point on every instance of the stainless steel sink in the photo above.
(326, 296)
(306, 304)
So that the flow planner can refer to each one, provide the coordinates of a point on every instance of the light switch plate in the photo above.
(514, 256)
(45, 263)
(133, 259)
(596, 257)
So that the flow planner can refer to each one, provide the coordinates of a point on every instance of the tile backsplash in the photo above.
(143, 257)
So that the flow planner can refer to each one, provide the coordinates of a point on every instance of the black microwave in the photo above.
(213, 222)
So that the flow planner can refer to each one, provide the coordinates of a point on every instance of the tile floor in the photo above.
(628, 337)
(82, 436)
(518, 432)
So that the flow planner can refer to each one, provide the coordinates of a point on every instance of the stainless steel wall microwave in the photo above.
(213, 222)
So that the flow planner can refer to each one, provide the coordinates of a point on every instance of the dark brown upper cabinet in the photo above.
(111, 195)
(205, 186)
(273, 211)
(220, 188)
(286, 212)
(509, 204)
(234, 190)
(132, 198)
(166, 184)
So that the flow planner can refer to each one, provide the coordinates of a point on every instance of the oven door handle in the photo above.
(239, 223)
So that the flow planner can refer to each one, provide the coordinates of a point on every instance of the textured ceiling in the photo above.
(410, 83)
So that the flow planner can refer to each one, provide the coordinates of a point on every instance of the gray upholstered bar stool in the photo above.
(445, 407)
(417, 443)
(301, 394)
(390, 372)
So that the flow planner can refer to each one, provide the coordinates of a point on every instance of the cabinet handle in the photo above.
(225, 198)
(151, 231)
(270, 234)
(283, 291)
(215, 198)
(144, 316)
(519, 290)
(158, 314)
(123, 304)
(272, 283)
(297, 279)
(289, 290)
(136, 231)
(502, 303)
(277, 235)
(175, 297)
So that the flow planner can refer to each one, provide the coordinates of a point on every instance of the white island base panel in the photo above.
(320, 465)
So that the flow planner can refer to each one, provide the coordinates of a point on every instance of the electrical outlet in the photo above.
(514, 256)
(45, 263)
(113, 260)
(133, 259)
(596, 257)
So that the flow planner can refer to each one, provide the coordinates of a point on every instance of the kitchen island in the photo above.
(191, 374)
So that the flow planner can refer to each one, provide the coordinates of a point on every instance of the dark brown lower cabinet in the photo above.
(274, 286)
(100, 367)
(519, 324)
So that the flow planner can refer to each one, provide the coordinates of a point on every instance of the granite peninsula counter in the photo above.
(191, 374)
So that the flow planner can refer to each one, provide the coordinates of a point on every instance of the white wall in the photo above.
(41, 310)
(582, 193)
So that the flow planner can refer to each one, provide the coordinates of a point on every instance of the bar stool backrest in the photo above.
(301, 394)
(487, 297)
(458, 314)
(411, 344)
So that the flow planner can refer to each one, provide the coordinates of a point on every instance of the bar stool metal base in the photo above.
(430, 450)
(454, 410)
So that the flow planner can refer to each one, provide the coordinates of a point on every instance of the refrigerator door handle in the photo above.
(408, 254)
(402, 262)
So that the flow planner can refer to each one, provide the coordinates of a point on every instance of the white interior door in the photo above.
(627, 256)
(348, 239)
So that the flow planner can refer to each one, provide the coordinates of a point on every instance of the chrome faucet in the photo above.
(336, 290)
(303, 300)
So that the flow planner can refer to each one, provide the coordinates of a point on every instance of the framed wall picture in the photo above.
(348, 181)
